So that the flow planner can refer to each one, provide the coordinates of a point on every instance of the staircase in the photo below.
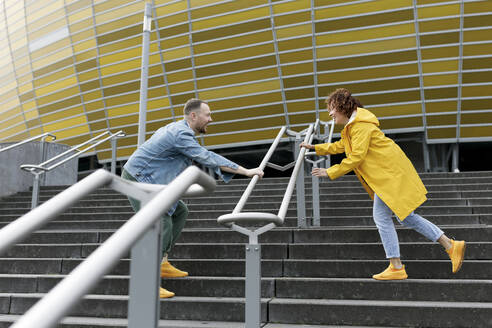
(314, 277)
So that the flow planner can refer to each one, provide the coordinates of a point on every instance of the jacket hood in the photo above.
(363, 115)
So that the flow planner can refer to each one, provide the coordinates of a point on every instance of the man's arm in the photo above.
(241, 170)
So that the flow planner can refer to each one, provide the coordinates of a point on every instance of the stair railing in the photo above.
(141, 233)
(314, 179)
(237, 221)
(41, 136)
(47, 166)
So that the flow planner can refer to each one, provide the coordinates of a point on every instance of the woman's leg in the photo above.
(383, 218)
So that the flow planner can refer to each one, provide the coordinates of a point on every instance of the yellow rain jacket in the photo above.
(379, 163)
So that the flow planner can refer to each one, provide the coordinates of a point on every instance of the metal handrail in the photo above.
(256, 217)
(39, 169)
(42, 136)
(58, 302)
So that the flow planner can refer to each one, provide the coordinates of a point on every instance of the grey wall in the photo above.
(13, 179)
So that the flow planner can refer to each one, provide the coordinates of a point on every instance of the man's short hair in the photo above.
(193, 105)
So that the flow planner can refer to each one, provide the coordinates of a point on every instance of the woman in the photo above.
(387, 175)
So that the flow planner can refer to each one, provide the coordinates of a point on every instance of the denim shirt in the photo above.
(169, 152)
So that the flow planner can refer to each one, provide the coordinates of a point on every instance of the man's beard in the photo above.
(202, 129)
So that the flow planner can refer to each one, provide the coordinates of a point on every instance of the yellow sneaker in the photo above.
(168, 271)
(456, 254)
(164, 293)
(392, 274)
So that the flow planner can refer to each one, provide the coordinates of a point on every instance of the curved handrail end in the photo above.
(249, 217)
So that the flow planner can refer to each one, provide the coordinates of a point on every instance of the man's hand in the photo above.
(319, 172)
(256, 171)
(306, 145)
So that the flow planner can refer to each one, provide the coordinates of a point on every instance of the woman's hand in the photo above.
(306, 145)
(256, 171)
(319, 172)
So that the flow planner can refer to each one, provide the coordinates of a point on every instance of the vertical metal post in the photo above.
(142, 114)
(425, 148)
(253, 286)
(455, 164)
(300, 192)
(143, 303)
(35, 191)
(315, 192)
(113, 155)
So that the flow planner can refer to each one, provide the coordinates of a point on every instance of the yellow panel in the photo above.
(120, 12)
(89, 44)
(401, 123)
(18, 44)
(258, 123)
(440, 66)
(174, 42)
(439, 11)
(237, 78)
(123, 110)
(296, 56)
(171, 20)
(66, 123)
(478, 7)
(478, 35)
(158, 103)
(171, 9)
(440, 52)
(120, 45)
(122, 55)
(123, 77)
(477, 49)
(439, 25)
(77, 131)
(92, 106)
(288, 32)
(25, 88)
(291, 6)
(132, 119)
(104, 5)
(370, 73)
(179, 76)
(84, 24)
(155, 59)
(231, 18)
(121, 23)
(29, 105)
(240, 90)
(440, 106)
(234, 54)
(85, 13)
(53, 77)
(123, 99)
(244, 40)
(87, 34)
(476, 91)
(226, 7)
(476, 131)
(91, 54)
(296, 69)
(375, 46)
(360, 8)
(9, 104)
(48, 29)
(56, 86)
(52, 58)
(13, 112)
(62, 115)
(366, 34)
(395, 110)
(241, 137)
(126, 66)
(182, 87)
(443, 79)
(444, 133)
(89, 75)
(441, 120)
(31, 115)
(476, 118)
(58, 95)
(176, 54)
(159, 115)
(11, 131)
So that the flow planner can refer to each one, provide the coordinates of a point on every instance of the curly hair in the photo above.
(343, 101)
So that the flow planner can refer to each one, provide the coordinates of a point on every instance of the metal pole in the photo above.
(113, 155)
(456, 151)
(253, 286)
(425, 148)
(300, 193)
(316, 211)
(142, 115)
(143, 303)
(35, 191)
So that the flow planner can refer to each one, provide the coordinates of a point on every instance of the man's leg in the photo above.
(172, 227)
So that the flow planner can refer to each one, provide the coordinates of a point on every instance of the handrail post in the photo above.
(300, 185)
(143, 302)
(113, 155)
(35, 190)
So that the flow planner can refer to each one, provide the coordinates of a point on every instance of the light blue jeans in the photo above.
(383, 218)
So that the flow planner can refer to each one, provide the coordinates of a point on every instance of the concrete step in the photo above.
(395, 312)
(115, 306)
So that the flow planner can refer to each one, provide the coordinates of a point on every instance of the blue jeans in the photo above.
(383, 218)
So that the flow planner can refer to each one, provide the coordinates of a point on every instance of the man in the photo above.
(163, 157)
